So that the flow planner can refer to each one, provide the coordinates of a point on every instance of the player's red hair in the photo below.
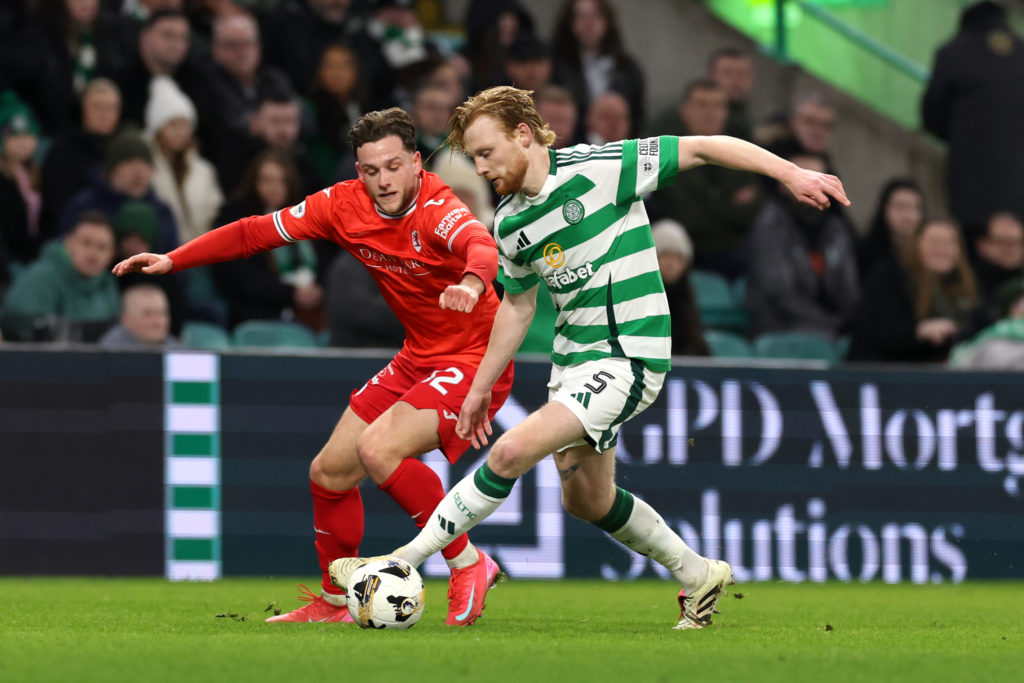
(507, 105)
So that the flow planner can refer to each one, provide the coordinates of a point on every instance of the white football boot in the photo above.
(698, 606)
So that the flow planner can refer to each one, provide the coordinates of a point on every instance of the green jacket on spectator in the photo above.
(52, 287)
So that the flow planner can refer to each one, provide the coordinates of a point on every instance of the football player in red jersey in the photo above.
(434, 263)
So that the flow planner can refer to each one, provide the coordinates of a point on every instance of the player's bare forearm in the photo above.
(510, 325)
(809, 187)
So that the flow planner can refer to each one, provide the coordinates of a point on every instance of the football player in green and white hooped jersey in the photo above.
(574, 219)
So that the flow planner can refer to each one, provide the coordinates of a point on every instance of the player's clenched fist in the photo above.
(459, 297)
(150, 264)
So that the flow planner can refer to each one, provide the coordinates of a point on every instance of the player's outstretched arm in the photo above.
(150, 264)
(239, 239)
(510, 325)
(810, 187)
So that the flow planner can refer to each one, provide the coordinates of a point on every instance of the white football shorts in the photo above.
(603, 394)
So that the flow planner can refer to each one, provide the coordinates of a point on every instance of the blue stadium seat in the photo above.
(727, 344)
(718, 304)
(200, 335)
(273, 333)
(711, 290)
(801, 345)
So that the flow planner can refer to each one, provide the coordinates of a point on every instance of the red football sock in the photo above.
(338, 524)
(417, 488)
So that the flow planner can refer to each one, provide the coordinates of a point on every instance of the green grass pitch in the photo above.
(142, 630)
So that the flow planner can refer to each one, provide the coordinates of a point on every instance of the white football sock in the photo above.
(646, 533)
(468, 556)
(467, 503)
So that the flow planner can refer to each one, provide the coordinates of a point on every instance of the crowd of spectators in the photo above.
(136, 125)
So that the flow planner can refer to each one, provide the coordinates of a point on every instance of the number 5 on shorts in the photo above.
(438, 378)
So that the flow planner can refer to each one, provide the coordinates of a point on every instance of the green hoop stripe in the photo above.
(636, 394)
(492, 485)
(617, 517)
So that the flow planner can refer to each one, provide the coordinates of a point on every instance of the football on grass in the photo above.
(385, 593)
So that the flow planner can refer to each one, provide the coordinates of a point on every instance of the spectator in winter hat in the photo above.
(128, 174)
(675, 254)
(136, 230)
(183, 179)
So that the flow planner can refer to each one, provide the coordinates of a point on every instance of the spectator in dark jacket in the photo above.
(20, 199)
(357, 315)
(975, 102)
(128, 174)
(807, 129)
(280, 283)
(28, 66)
(492, 28)
(802, 270)
(528, 64)
(559, 110)
(918, 312)
(5, 270)
(238, 82)
(608, 119)
(295, 34)
(162, 51)
(76, 158)
(275, 125)
(335, 101)
(430, 111)
(590, 58)
(733, 70)
(716, 204)
(898, 215)
(83, 41)
(1000, 257)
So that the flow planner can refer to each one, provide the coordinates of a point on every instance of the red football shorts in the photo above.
(442, 388)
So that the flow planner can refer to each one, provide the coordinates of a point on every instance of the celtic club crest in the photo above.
(572, 211)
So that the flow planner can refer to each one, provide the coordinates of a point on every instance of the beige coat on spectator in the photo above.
(197, 202)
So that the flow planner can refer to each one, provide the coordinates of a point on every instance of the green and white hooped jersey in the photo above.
(587, 236)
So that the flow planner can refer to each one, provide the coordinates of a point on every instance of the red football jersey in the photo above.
(412, 257)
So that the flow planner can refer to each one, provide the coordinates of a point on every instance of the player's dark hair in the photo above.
(377, 125)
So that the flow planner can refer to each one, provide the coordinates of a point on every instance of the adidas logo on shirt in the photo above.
(523, 241)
